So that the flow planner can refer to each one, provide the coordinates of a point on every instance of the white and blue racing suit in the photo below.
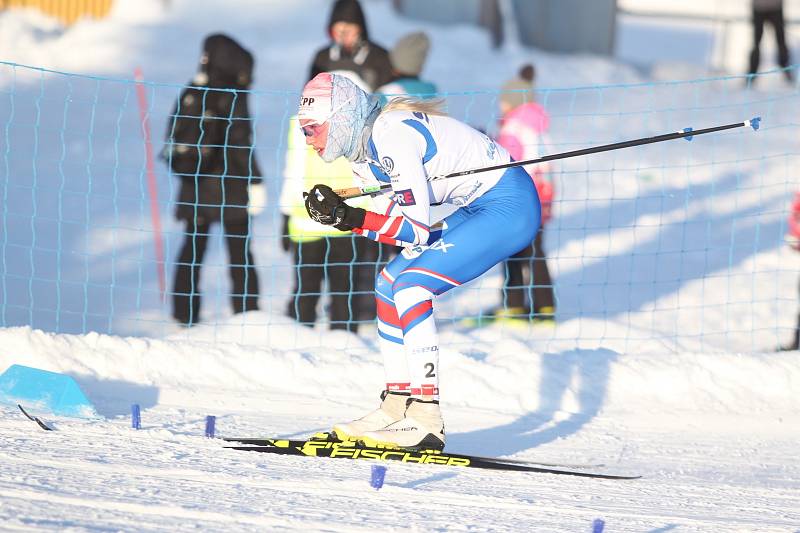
(497, 215)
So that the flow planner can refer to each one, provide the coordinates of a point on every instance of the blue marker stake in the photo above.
(136, 417)
(211, 421)
(598, 525)
(378, 473)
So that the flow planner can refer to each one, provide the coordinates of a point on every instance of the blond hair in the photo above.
(405, 103)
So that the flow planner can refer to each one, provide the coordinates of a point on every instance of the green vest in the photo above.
(304, 169)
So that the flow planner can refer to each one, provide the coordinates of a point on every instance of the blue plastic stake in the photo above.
(378, 473)
(211, 421)
(598, 525)
(136, 417)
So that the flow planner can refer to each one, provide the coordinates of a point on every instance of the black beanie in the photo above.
(349, 11)
(226, 63)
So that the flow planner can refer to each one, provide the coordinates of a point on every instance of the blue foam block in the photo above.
(46, 390)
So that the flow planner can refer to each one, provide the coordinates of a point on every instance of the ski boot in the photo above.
(544, 317)
(512, 317)
(421, 429)
(391, 410)
(522, 317)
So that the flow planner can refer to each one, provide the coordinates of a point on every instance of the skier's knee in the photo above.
(411, 287)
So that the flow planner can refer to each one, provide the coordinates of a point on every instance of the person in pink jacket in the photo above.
(793, 240)
(528, 287)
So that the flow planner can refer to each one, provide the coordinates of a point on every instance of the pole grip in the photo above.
(349, 192)
(355, 192)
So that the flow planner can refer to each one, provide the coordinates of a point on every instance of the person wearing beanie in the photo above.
(408, 58)
(324, 259)
(514, 93)
(350, 47)
(209, 147)
(527, 294)
(495, 214)
(350, 50)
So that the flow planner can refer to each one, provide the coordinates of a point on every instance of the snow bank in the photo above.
(511, 379)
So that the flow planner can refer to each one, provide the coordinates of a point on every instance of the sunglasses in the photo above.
(311, 130)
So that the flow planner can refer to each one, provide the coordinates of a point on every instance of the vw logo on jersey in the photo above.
(387, 164)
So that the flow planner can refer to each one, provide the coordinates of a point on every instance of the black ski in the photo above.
(35, 419)
(339, 450)
(301, 442)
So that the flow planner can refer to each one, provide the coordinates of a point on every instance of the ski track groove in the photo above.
(119, 471)
(115, 452)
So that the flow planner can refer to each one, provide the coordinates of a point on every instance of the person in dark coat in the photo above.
(348, 265)
(350, 47)
(209, 147)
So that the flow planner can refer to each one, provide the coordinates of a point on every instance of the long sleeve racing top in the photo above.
(406, 149)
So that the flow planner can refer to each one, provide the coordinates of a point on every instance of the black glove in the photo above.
(286, 242)
(326, 207)
(320, 203)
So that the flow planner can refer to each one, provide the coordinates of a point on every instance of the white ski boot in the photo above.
(421, 429)
(391, 410)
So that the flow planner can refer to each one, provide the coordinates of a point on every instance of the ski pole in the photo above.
(687, 133)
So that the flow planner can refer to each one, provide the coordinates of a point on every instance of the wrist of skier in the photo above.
(348, 218)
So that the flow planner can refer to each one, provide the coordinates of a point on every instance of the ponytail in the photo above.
(404, 103)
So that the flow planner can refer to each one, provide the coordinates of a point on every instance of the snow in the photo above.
(697, 37)
(713, 435)
(659, 366)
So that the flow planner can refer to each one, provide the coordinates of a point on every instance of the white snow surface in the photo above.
(713, 435)
(714, 432)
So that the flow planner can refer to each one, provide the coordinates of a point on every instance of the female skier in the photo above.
(404, 144)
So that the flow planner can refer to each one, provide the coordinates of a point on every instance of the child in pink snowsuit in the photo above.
(793, 239)
(528, 288)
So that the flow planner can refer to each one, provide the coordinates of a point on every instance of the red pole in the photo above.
(151, 180)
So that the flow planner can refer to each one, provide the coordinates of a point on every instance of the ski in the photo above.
(35, 419)
(339, 450)
(283, 443)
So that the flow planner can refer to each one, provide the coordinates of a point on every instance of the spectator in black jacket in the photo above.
(209, 147)
(351, 49)
(349, 264)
